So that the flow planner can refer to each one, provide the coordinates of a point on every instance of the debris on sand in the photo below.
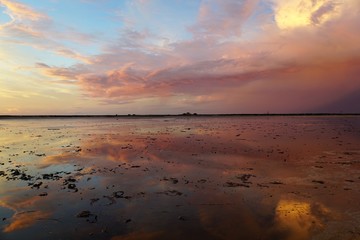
(37, 185)
(276, 182)
(182, 218)
(84, 214)
(71, 186)
(94, 200)
(234, 184)
(69, 182)
(173, 180)
(90, 217)
(111, 200)
(15, 172)
(202, 181)
(118, 194)
(171, 193)
(245, 177)
(318, 181)
(50, 176)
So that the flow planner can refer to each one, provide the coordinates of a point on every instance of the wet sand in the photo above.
(255, 177)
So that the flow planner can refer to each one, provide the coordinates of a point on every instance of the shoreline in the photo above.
(174, 115)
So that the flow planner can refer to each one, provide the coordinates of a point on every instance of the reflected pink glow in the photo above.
(269, 177)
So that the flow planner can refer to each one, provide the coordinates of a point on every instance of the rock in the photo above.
(245, 177)
(276, 182)
(25, 177)
(171, 193)
(234, 184)
(181, 218)
(94, 200)
(111, 200)
(71, 186)
(37, 185)
(173, 180)
(47, 176)
(118, 194)
(84, 214)
(318, 181)
(202, 181)
(15, 172)
(70, 179)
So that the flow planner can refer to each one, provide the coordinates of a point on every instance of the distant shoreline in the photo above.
(174, 115)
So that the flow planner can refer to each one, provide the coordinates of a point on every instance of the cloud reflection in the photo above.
(24, 215)
(25, 220)
(299, 219)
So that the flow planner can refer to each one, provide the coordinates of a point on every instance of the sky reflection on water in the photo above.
(209, 178)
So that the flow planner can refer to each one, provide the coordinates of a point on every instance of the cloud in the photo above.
(311, 47)
(18, 11)
(24, 21)
(12, 110)
(299, 13)
(42, 65)
(323, 12)
(36, 29)
(222, 18)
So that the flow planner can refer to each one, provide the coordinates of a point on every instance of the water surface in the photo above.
(276, 177)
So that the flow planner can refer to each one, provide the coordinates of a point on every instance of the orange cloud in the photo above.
(24, 220)
(19, 11)
(300, 219)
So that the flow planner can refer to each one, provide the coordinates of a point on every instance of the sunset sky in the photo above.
(174, 56)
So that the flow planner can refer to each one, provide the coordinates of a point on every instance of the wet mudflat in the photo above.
(276, 177)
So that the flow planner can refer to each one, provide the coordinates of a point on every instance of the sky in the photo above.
(175, 56)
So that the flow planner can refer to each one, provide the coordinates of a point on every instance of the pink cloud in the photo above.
(222, 18)
(283, 70)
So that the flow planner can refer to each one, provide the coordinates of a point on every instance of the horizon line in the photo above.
(187, 114)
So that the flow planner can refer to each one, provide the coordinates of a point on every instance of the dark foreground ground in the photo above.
(235, 177)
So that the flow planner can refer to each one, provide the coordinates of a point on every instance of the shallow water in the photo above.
(176, 178)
